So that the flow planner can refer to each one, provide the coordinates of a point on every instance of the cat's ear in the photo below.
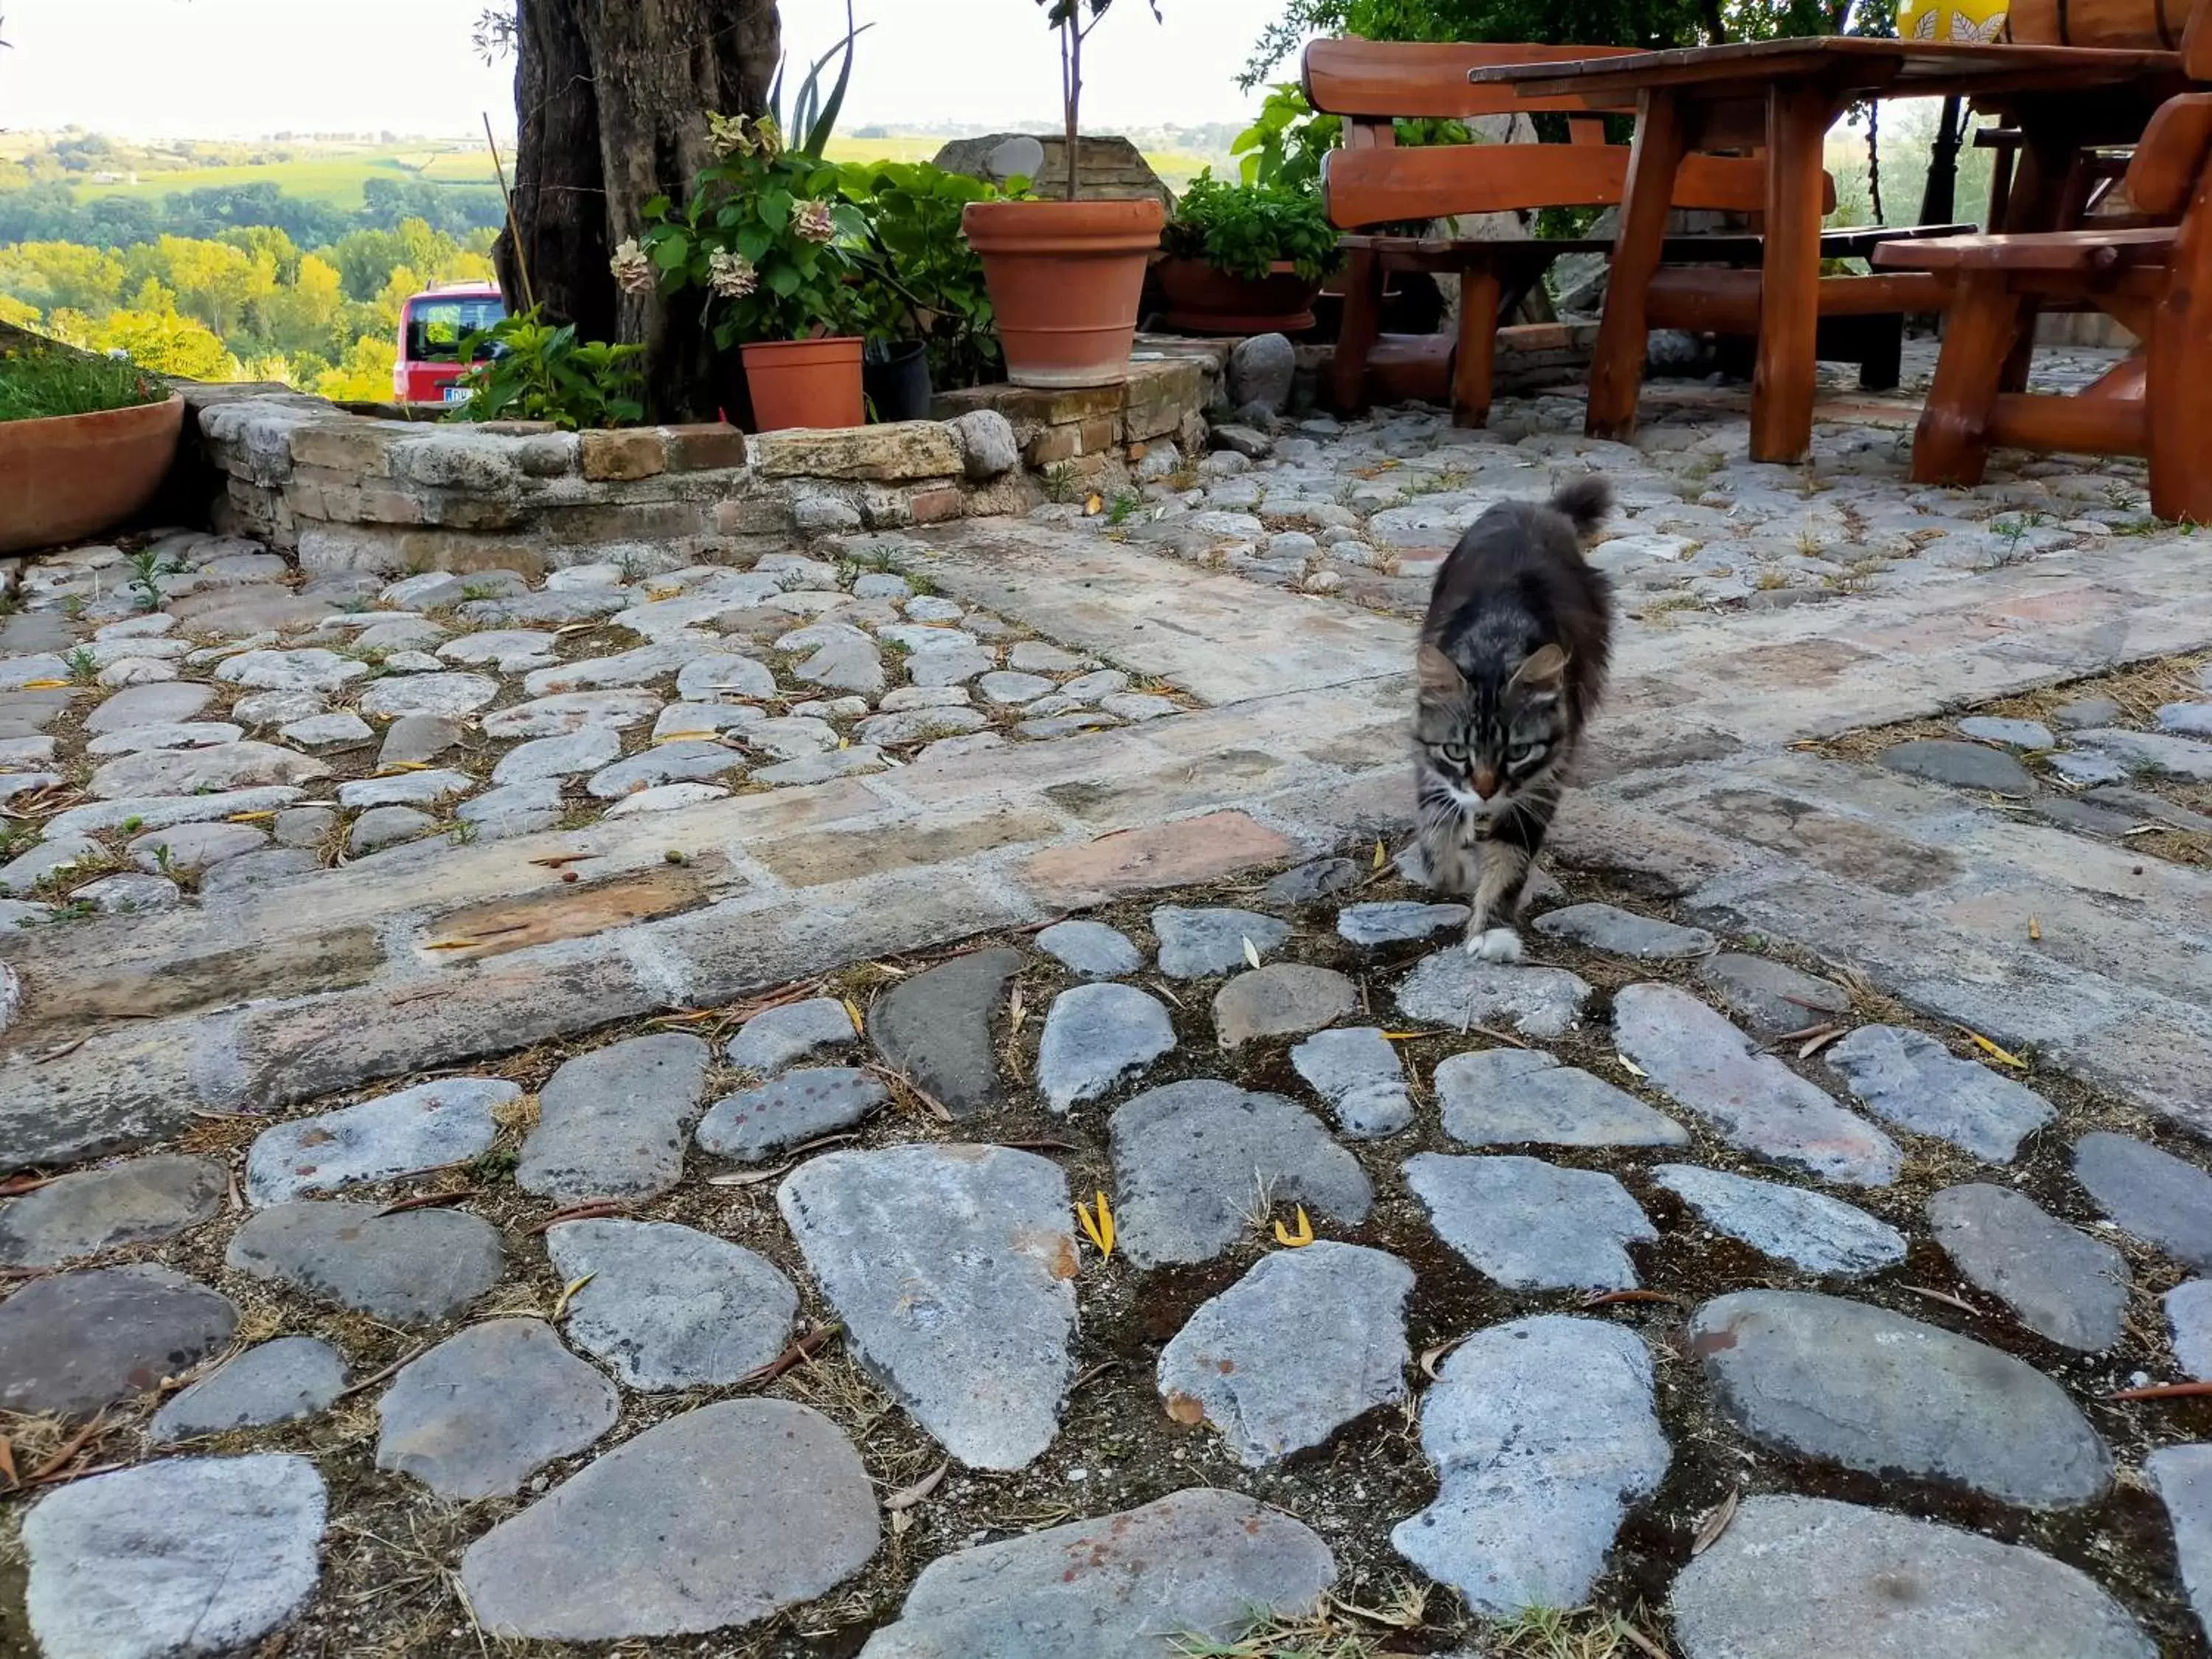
(1541, 670)
(1438, 674)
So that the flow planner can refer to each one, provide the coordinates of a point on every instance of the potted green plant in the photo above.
(766, 235)
(1066, 276)
(526, 369)
(1245, 258)
(85, 442)
(927, 312)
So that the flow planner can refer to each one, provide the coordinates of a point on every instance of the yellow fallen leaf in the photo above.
(2034, 930)
(685, 737)
(1402, 1036)
(453, 944)
(1098, 1225)
(2001, 1056)
(1301, 1238)
(44, 685)
(853, 1013)
(1630, 1065)
(1251, 953)
(561, 1302)
(401, 766)
(248, 817)
(1096, 505)
(1381, 858)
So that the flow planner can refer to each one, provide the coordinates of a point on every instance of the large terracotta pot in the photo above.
(809, 383)
(1208, 301)
(1065, 279)
(78, 474)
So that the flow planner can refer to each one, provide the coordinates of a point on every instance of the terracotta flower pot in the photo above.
(1065, 279)
(77, 475)
(811, 383)
(1209, 301)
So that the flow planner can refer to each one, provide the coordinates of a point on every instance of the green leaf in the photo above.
(775, 210)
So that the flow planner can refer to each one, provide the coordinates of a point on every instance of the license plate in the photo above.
(457, 393)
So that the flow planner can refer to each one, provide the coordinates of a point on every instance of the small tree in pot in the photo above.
(1065, 277)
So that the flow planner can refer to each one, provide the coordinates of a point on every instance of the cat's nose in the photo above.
(1485, 781)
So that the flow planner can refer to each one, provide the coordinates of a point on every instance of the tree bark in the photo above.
(611, 99)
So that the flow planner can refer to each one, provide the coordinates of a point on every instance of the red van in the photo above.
(431, 327)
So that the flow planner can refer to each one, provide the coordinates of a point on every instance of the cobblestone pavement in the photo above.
(1027, 1190)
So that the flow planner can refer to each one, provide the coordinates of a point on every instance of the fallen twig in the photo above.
(594, 1211)
(804, 1349)
(424, 1200)
(376, 1377)
(1945, 1297)
(2166, 1391)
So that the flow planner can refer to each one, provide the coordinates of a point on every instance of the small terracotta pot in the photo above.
(78, 474)
(1209, 301)
(1065, 279)
(810, 383)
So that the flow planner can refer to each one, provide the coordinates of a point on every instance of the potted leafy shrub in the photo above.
(1245, 258)
(928, 313)
(1066, 276)
(85, 442)
(769, 239)
(525, 369)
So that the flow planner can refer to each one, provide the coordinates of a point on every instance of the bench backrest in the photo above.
(1373, 181)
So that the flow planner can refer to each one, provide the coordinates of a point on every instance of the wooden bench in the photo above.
(2156, 280)
(1373, 181)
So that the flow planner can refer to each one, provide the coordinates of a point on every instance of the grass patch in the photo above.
(40, 383)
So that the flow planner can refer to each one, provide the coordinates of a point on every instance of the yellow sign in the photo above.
(1952, 20)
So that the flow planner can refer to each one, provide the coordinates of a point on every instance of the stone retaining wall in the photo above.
(348, 491)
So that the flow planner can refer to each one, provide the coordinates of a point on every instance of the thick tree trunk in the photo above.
(611, 98)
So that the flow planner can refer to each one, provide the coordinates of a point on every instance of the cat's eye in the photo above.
(1519, 753)
(1456, 753)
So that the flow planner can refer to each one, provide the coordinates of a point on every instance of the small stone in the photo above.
(1458, 990)
(1037, 657)
(2011, 734)
(448, 694)
(183, 1556)
(2189, 1310)
(1197, 944)
(881, 584)
(778, 1038)
(387, 826)
(1106, 683)
(1530, 1224)
(1888, 1395)
(789, 736)
(1963, 765)
(1262, 369)
(279, 1381)
(1791, 1577)
(1908, 1079)
(1309, 884)
(1299, 1347)
(1004, 686)
(965, 1308)
(1283, 999)
(483, 1411)
(988, 448)
(571, 711)
(417, 1267)
(1769, 998)
(181, 734)
(1753, 1100)
(2082, 768)
(1062, 725)
(278, 708)
(165, 704)
(2152, 751)
(918, 725)
(1138, 706)
(713, 679)
(290, 671)
(1389, 923)
(1089, 948)
(1096, 1037)
(669, 762)
(845, 664)
(719, 1517)
(425, 1128)
(2063, 1283)
(611, 1123)
(2086, 712)
(2152, 1195)
(189, 849)
(1821, 1235)
(936, 1029)
(1357, 1072)
(788, 1110)
(2192, 720)
(1510, 1097)
(587, 750)
(2182, 1476)
(304, 826)
(1193, 1159)
(78, 1342)
(1624, 933)
(405, 789)
(198, 771)
(820, 769)
(510, 650)
(702, 720)
(96, 1210)
(1535, 1478)
(520, 809)
(328, 731)
(1202, 1562)
(668, 1306)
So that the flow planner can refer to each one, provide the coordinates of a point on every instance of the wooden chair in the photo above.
(1373, 181)
(2156, 280)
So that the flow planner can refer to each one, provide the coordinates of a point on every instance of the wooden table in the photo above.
(1784, 95)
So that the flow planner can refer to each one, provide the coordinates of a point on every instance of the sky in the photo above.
(249, 68)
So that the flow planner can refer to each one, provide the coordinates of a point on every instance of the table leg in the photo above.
(1782, 383)
(2042, 180)
(1623, 334)
(1356, 336)
(1476, 362)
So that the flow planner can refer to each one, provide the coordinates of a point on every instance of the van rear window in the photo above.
(435, 327)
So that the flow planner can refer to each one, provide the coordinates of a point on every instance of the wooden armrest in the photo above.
(2068, 251)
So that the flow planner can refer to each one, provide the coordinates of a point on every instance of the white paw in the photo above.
(1496, 945)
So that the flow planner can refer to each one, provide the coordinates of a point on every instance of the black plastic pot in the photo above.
(896, 378)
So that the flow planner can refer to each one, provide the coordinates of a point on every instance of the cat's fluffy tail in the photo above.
(1584, 503)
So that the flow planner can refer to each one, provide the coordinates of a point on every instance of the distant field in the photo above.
(335, 180)
(1176, 168)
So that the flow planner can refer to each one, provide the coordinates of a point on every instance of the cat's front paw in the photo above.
(1495, 944)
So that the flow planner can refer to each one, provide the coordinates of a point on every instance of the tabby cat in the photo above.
(1510, 666)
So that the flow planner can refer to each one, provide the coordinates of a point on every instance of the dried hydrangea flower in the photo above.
(811, 221)
(633, 270)
(730, 274)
